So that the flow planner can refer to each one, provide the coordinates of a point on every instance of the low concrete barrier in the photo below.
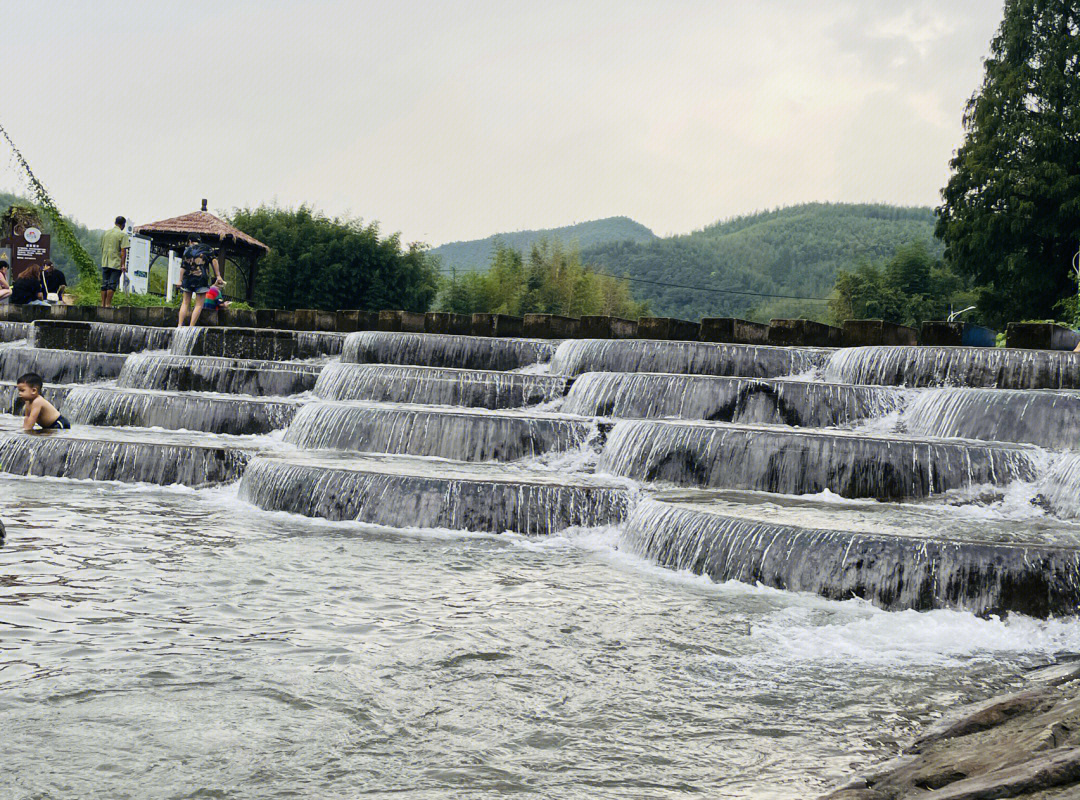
(550, 326)
(595, 327)
(496, 325)
(877, 333)
(1041, 336)
(668, 328)
(730, 330)
(284, 320)
(940, 333)
(401, 321)
(803, 333)
(447, 323)
(351, 320)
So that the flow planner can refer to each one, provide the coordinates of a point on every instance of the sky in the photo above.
(448, 121)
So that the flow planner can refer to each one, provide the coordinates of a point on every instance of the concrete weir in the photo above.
(919, 563)
(225, 375)
(431, 350)
(98, 337)
(437, 386)
(718, 399)
(464, 435)
(59, 366)
(104, 455)
(790, 461)
(696, 358)
(412, 493)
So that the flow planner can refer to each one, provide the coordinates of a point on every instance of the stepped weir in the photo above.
(893, 474)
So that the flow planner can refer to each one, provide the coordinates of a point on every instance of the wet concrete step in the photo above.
(59, 366)
(223, 375)
(896, 556)
(434, 350)
(407, 492)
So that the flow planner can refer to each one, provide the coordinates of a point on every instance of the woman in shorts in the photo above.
(195, 271)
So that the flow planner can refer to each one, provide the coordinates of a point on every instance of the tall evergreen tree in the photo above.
(1010, 216)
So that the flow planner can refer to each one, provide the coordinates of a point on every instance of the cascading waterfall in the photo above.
(96, 405)
(437, 386)
(11, 404)
(746, 400)
(894, 572)
(13, 331)
(990, 367)
(224, 375)
(106, 460)
(319, 344)
(434, 350)
(806, 462)
(187, 341)
(256, 343)
(1048, 419)
(384, 496)
(576, 356)
(59, 366)
(458, 434)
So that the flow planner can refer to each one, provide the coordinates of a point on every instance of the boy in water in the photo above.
(36, 409)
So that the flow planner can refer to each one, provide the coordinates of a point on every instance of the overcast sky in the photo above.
(455, 120)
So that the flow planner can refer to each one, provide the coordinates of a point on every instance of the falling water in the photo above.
(695, 358)
(417, 430)
(95, 405)
(437, 386)
(10, 402)
(1046, 418)
(256, 343)
(748, 400)
(894, 572)
(106, 459)
(432, 496)
(805, 462)
(432, 350)
(59, 366)
(209, 374)
(990, 367)
(13, 331)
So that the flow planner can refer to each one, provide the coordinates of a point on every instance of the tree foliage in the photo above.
(1010, 216)
(334, 263)
(553, 280)
(908, 289)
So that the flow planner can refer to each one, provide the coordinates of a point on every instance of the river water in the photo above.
(174, 643)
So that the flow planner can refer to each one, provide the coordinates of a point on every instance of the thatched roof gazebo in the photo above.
(232, 244)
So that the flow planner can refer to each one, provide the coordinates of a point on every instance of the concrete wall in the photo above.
(667, 328)
(608, 328)
(733, 331)
(877, 333)
(1041, 336)
(803, 333)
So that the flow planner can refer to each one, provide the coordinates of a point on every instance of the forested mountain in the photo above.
(477, 254)
(788, 251)
(90, 239)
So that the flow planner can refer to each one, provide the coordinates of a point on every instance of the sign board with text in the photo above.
(28, 247)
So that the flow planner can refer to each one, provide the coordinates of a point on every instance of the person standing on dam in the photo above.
(114, 247)
(195, 278)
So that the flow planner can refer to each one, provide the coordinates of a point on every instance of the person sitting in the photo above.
(36, 409)
(5, 288)
(27, 289)
(53, 282)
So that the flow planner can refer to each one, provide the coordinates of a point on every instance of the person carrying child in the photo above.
(195, 270)
(36, 409)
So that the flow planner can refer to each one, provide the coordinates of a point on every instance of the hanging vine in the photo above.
(61, 227)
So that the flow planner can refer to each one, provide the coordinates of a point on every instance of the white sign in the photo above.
(32, 235)
(138, 265)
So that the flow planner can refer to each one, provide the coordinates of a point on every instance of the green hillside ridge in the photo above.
(477, 254)
(789, 251)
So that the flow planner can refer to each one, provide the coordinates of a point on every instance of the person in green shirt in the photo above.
(114, 247)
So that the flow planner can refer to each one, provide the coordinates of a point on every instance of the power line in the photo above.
(693, 288)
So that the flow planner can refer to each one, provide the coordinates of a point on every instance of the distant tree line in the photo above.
(552, 279)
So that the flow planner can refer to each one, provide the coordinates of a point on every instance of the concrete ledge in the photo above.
(312, 319)
(496, 325)
(264, 317)
(264, 344)
(667, 328)
(401, 321)
(730, 330)
(55, 334)
(940, 333)
(550, 326)
(877, 333)
(240, 318)
(13, 313)
(1041, 336)
(284, 320)
(351, 320)
(446, 323)
(595, 327)
(803, 333)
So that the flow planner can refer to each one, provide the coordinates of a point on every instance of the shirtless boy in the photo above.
(38, 410)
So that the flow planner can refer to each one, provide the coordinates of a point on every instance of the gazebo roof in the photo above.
(205, 224)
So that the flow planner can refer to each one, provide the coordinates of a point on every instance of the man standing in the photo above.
(114, 247)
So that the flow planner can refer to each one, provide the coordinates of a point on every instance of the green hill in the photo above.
(476, 254)
(789, 251)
